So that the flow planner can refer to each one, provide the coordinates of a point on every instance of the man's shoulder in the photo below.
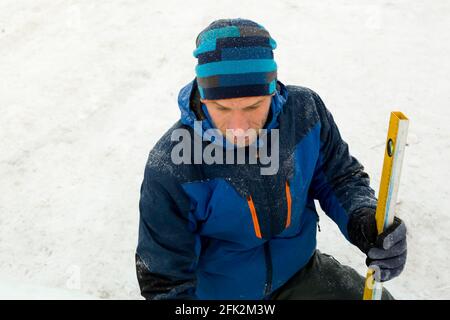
(304, 104)
(297, 89)
(296, 92)
(160, 162)
(306, 101)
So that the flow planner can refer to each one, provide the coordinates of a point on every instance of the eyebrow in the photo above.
(258, 102)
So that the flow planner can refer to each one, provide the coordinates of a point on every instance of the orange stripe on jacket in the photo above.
(289, 204)
(251, 205)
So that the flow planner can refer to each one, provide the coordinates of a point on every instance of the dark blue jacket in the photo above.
(228, 232)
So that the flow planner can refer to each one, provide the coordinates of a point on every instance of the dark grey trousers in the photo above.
(324, 278)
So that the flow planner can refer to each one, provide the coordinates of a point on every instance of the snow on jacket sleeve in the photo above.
(167, 251)
(339, 183)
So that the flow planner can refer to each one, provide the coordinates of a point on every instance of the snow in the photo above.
(87, 89)
(19, 290)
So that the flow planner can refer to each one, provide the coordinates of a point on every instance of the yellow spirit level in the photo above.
(387, 196)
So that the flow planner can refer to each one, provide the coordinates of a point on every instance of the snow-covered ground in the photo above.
(88, 87)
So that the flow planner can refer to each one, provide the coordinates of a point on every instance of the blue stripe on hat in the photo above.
(235, 53)
(205, 47)
(229, 80)
(213, 34)
(273, 43)
(210, 56)
(236, 91)
(273, 85)
(235, 67)
(246, 53)
(207, 40)
(252, 41)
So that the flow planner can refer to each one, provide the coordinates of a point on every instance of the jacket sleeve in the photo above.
(168, 247)
(339, 182)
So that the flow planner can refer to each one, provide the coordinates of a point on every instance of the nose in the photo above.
(238, 123)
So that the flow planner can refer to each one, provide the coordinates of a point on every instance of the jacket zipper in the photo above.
(267, 253)
(269, 269)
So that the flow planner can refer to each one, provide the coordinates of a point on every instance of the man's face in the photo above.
(239, 118)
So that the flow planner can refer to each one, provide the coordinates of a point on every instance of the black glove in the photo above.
(387, 251)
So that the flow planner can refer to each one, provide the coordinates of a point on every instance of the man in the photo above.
(227, 231)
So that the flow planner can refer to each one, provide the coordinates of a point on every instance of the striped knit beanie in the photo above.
(235, 59)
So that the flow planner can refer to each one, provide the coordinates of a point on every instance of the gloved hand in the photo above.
(387, 251)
